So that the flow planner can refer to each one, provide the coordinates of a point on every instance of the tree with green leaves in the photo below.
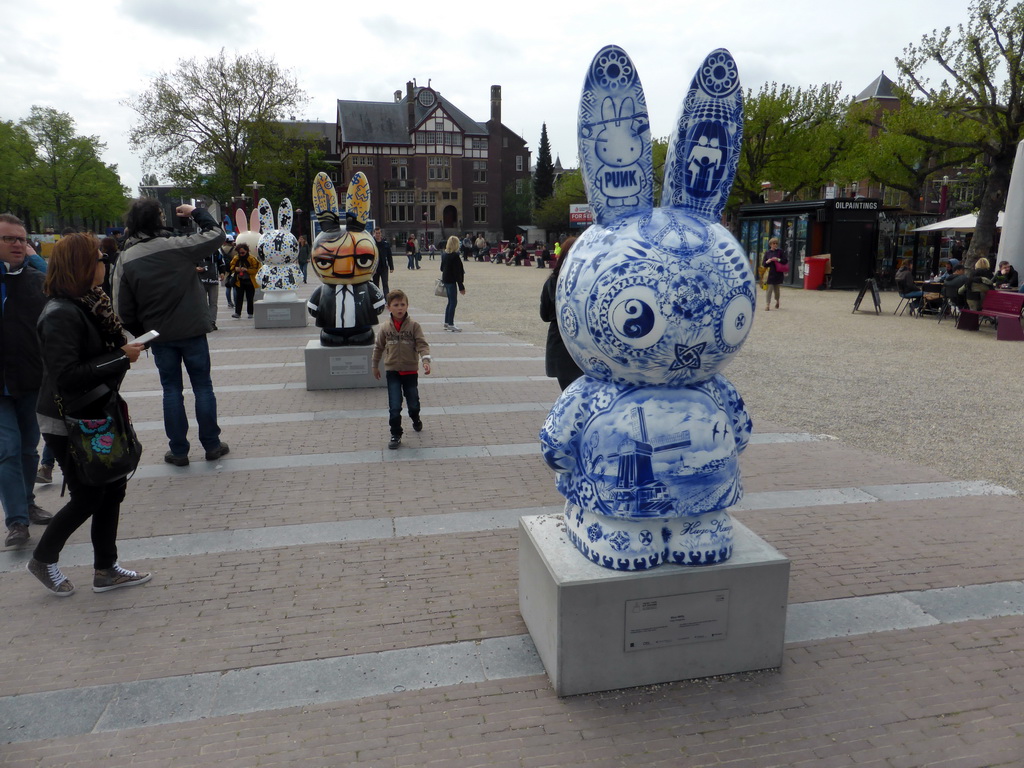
(214, 115)
(63, 172)
(982, 91)
(795, 138)
(900, 157)
(553, 214)
(516, 208)
(17, 194)
(544, 174)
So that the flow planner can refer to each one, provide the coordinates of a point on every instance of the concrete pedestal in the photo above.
(597, 629)
(340, 367)
(279, 314)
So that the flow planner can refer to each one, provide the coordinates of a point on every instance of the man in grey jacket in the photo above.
(157, 288)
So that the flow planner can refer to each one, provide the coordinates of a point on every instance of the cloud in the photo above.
(212, 21)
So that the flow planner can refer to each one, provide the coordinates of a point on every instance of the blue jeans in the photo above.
(19, 440)
(195, 354)
(452, 289)
(397, 386)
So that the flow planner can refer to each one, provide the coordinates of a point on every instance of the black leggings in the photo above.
(247, 290)
(101, 503)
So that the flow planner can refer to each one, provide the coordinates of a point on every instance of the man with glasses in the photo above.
(21, 370)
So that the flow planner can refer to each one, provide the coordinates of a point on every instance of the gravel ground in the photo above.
(903, 387)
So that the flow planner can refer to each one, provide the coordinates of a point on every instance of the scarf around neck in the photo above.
(97, 304)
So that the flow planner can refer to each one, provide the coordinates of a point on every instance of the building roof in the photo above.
(317, 129)
(373, 122)
(881, 88)
(386, 122)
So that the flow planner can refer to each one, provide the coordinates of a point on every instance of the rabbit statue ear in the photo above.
(254, 221)
(284, 215)
(357, 201)
(266, 214)
(325, 202)
(615, 138)
(704, 150)
(241, 223)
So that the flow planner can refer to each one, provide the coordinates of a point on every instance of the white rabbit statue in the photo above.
(248, 230)
(652, 303)
(278, 249)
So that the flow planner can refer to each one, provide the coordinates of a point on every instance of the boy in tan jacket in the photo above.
(400, 342)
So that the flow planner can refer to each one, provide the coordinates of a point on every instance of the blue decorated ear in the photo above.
(615, 138)
(704, 149)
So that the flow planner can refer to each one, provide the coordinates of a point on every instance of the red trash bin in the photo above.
(814, 272)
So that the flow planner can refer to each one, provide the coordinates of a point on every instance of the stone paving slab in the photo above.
(844, 702)
(879, 547)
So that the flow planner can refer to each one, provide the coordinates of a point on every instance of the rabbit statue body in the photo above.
(344, 257)
(652, 303)
(278, 249)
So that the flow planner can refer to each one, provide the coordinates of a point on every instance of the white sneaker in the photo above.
(447, 327)
(454, 329)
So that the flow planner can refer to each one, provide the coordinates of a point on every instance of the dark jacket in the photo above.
(385, 261)
(156, 287)
(75, 359)
(1009, 280)
(774, 277)
(452, 270)
(366, 298)
(558, 363)
(905, 281)
(22, 370)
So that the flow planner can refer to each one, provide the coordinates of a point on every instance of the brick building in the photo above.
(433, 170)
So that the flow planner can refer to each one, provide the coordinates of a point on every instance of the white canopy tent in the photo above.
(965, 223)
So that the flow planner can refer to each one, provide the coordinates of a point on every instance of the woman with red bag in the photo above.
(776, 265)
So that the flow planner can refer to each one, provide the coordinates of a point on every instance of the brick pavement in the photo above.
(943, 695)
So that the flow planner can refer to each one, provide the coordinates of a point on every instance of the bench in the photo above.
(998, 305)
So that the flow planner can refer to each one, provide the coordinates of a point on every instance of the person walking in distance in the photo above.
(453, 273)
(385, 261)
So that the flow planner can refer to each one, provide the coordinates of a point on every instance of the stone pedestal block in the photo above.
(279, 314)
(339, 367)
(597, 629)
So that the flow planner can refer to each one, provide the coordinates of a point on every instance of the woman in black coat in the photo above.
(85, 357)
(453, 273)
(558, 363)
(773, 258)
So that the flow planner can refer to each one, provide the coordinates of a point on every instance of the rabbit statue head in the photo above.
(344, 252)
(248, 230)
(657, 296)
(278, 249)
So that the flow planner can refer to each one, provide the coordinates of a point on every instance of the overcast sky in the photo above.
(86, 58)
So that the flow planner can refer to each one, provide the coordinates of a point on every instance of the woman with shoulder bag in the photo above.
(453, 275)
(244, 266)
(776, 265)
(85, 357)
